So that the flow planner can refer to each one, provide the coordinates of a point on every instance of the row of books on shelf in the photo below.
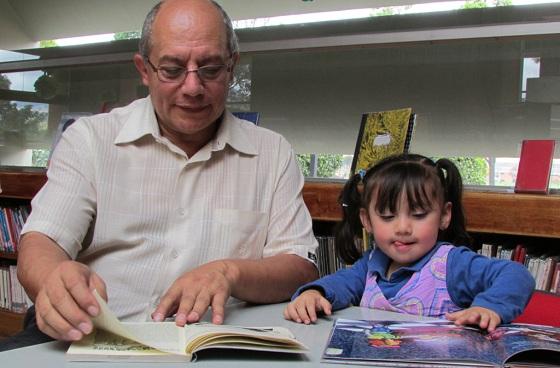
(327, 261)
(12, 295)
(11, 223)
(544, 268)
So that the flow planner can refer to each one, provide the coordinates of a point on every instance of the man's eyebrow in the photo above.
(172, 59)
(206, 60)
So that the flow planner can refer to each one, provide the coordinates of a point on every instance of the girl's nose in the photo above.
(403, 225)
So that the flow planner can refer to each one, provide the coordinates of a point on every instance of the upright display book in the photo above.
(439, 343)
(382, 134)
(113, 340)
(251, 116)
(535, 163)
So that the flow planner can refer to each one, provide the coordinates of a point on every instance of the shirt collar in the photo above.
(142, 121)
(235, 133)
(379, 262)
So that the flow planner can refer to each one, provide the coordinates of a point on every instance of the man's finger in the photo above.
(201, 304)
(51, 322)
(167, 305)
(218, 308)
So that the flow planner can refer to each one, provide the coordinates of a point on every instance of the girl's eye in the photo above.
(419, 215)
(386, 217)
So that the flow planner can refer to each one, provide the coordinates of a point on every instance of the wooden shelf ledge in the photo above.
(486, 212)
(21, 184)
(10, 322)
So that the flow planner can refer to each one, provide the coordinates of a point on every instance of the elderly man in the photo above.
(170, 205)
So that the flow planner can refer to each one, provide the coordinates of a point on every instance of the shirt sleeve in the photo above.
(500, 285)
(64, 208)
(290, 228)
(344, 287)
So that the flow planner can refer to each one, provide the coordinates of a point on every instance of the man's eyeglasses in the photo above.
(178, 74)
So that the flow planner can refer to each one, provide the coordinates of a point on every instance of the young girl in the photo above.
(413, 208)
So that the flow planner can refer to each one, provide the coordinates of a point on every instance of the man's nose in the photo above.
(192, 85)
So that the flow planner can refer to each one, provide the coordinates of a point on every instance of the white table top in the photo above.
(314, 336)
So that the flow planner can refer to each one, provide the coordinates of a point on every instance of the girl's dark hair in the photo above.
(423, 181)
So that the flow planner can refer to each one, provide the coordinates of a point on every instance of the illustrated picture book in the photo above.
(113, 340)
(535, 164)
(251, 116)
(440, 343)
(382, 134)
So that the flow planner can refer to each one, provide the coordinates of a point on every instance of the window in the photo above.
(529, 69)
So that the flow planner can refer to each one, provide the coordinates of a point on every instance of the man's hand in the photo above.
(304, 308)
(65, 304)
(485, 318)
(192, 293)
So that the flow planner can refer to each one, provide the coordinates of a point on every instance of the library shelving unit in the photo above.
(18, 186)
(487, 212)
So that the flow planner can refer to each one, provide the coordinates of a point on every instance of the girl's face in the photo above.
(407, 235)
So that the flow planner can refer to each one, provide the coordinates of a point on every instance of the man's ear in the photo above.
(366, 223)
(234, 61)
(445, 216)
(141, 67)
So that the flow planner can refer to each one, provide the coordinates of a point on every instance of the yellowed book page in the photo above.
(273, 337)
(163, 336)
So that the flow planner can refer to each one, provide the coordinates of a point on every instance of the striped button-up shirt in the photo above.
(131, 205)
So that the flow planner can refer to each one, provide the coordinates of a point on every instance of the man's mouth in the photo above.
(192, 109)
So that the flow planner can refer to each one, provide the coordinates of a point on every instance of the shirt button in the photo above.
(181, 211)
(174, 254)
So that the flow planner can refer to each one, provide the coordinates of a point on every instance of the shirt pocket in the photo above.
(238, 234)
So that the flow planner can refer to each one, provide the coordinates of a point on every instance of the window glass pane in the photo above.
(465, 94)
(33, 103)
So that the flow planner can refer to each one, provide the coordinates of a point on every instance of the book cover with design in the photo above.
(382, 134)
(440, 343)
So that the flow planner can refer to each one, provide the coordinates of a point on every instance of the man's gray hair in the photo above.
(145, 44)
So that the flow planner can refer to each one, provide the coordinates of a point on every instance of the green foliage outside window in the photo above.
(47, 43)
(474, 170)
(20, 122)
(475, 4)
(39, 157)
(327, 164)
(126, 35)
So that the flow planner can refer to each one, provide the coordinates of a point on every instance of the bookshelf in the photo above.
(487, 212)
(18, 186)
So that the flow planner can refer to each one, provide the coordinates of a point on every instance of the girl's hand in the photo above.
(304, 308)
(485, 318)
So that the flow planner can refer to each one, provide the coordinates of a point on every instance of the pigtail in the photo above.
(452, 182)
(350, 226)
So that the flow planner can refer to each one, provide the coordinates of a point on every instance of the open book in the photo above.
(440, 343)
(113, 340)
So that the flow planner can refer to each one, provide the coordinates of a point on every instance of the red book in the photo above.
(535, 163)
(517, 253)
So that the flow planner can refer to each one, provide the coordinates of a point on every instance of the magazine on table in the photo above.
(439, 343)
